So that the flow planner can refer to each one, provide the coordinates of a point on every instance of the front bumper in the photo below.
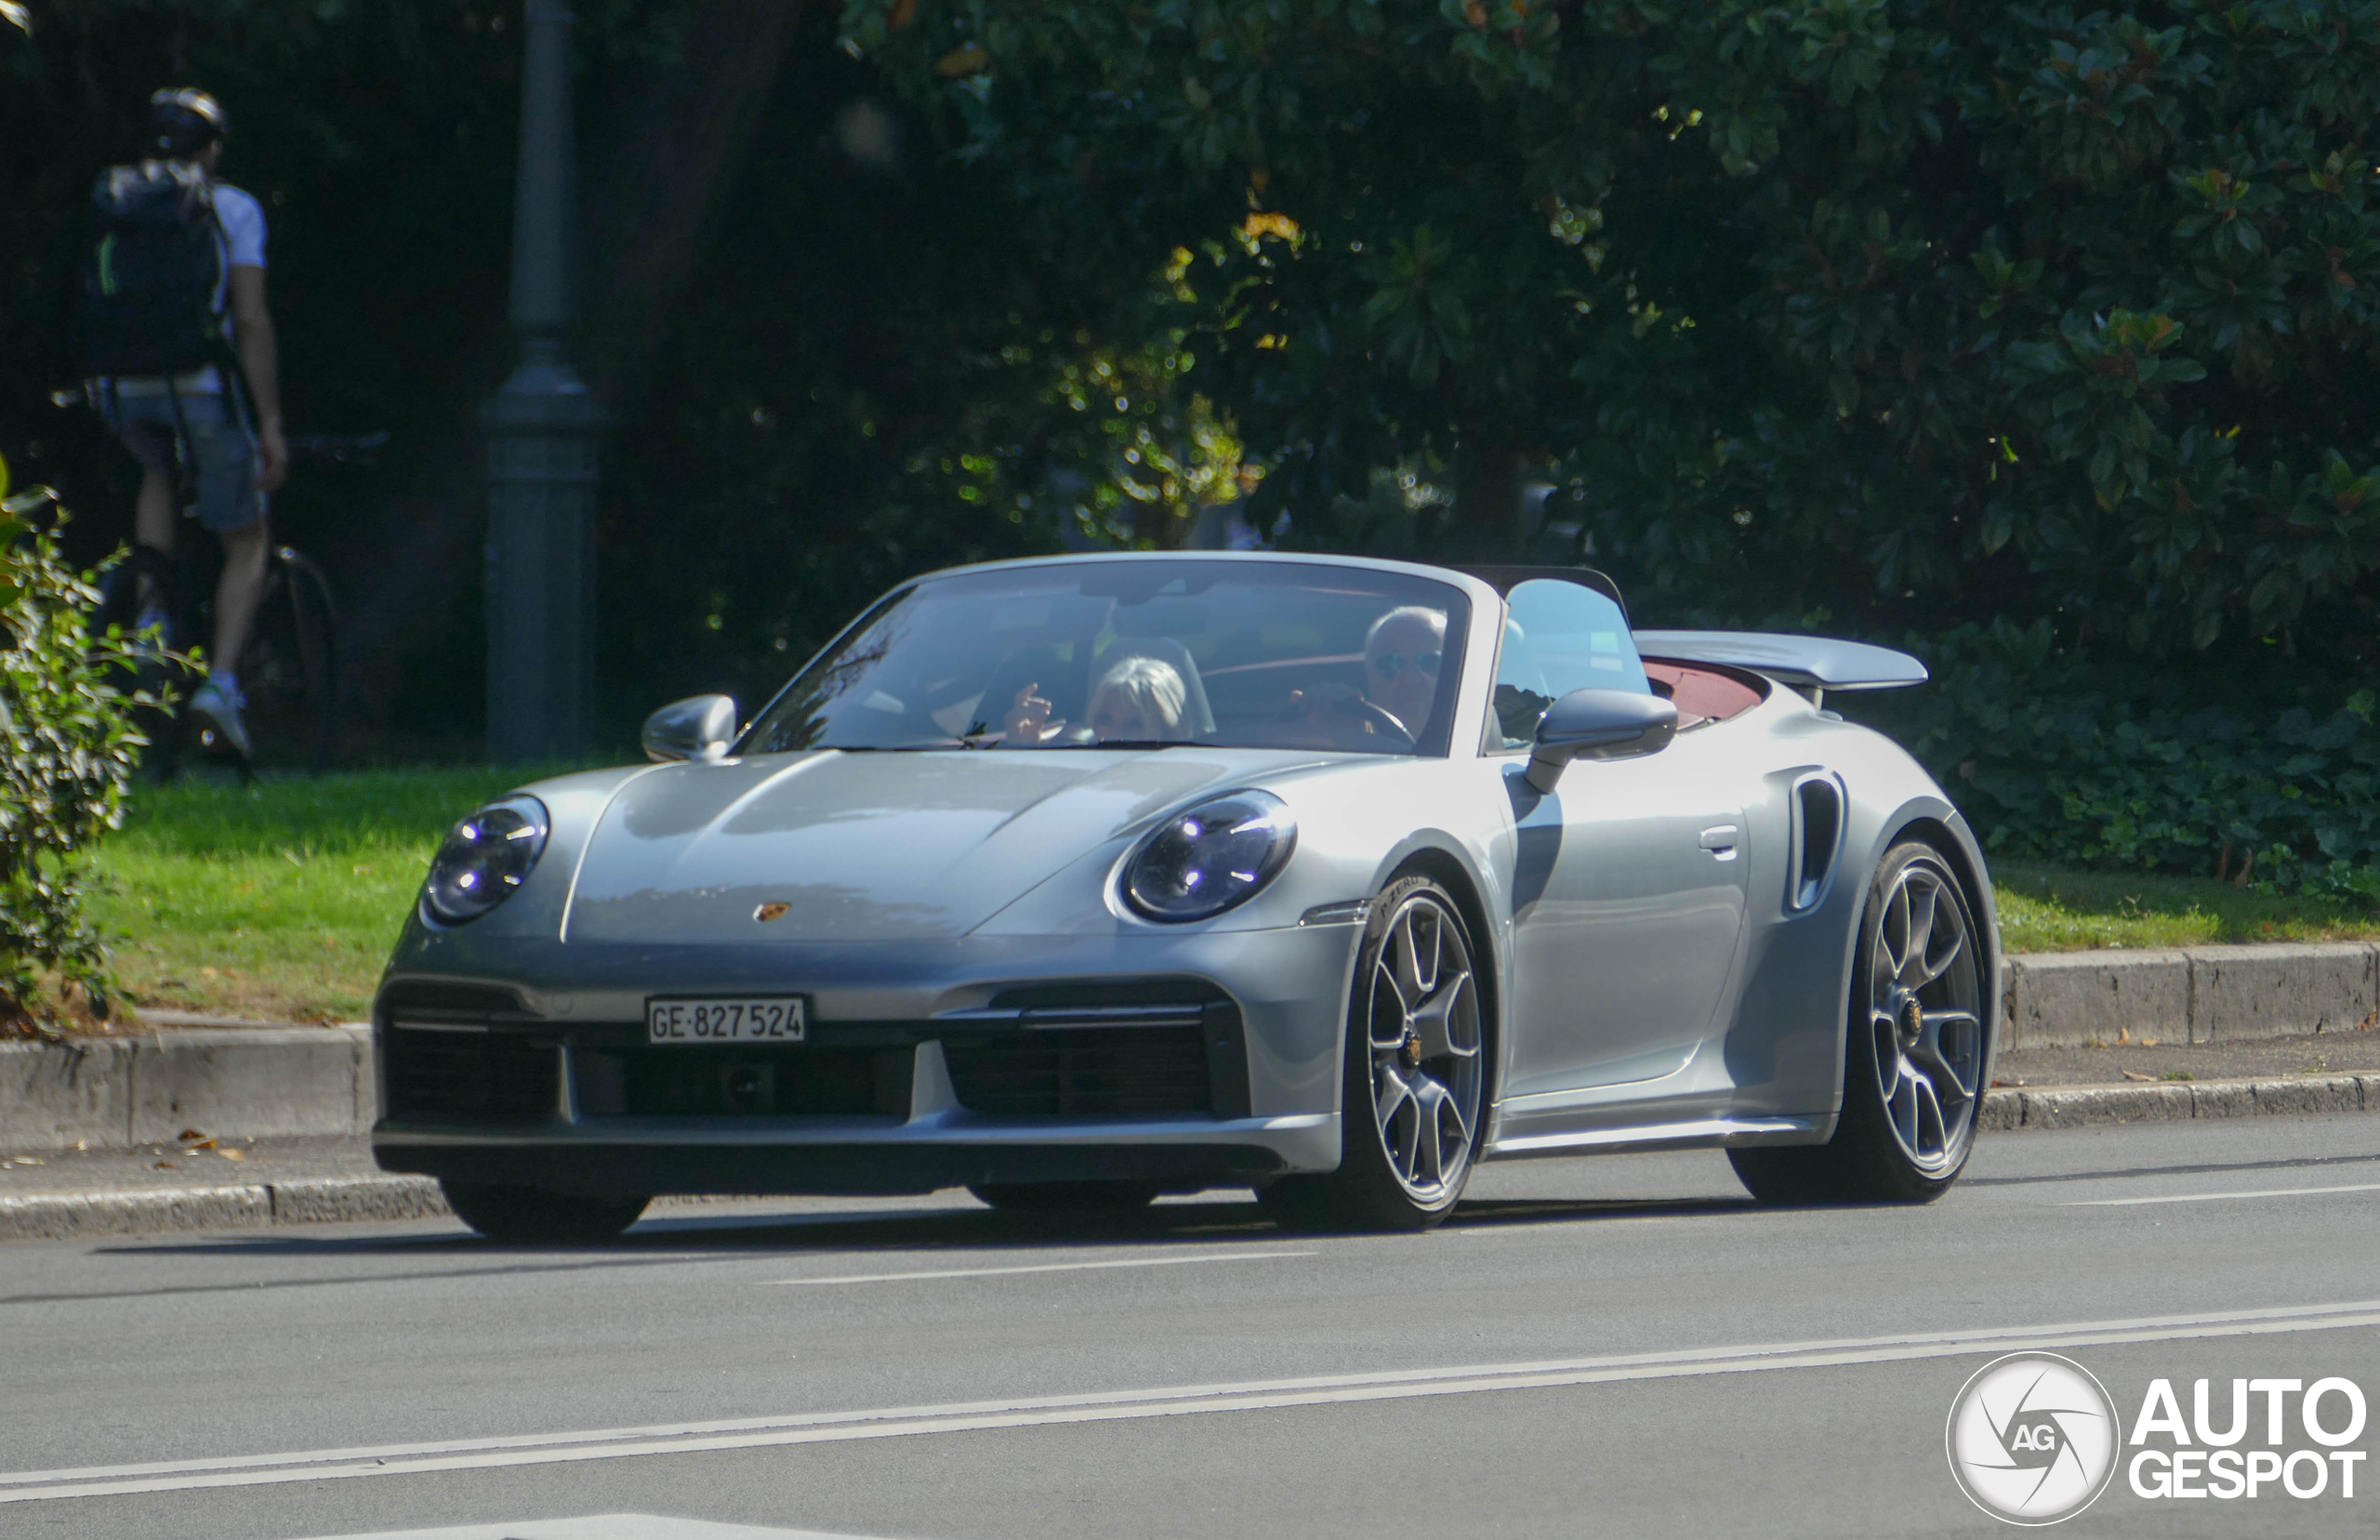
(1184, 1061)
(871, 1161)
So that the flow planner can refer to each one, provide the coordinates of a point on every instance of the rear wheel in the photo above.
(1416, 1072)
(1065, 1197)
(289, 671)
(1913, 1065)
(502, 1212)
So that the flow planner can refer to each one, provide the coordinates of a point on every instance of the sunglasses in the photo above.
(1388, 665)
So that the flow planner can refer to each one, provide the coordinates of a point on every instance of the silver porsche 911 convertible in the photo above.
(1080, 880)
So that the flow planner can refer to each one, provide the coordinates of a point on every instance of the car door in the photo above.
(1630, 878)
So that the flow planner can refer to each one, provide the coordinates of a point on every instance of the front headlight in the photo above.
(486, 857)
(1201, 861)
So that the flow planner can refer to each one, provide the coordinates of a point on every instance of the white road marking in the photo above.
(1164, 1402)
(2216, 1197)
(603, 1526)
(1043, 1267)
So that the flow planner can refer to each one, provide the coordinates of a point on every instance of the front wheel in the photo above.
(1416, 1073)
(534, 1216)
(1912, 1072)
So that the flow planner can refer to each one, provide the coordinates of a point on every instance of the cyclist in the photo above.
(171, 383)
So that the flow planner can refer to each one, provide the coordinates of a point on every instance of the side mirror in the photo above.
(700, 727)
(1598, 724)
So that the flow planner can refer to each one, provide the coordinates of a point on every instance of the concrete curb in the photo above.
(325, 1199)
(73, 1215)
(303, 1201)
(2010, 1109)
(2190, 994)
(118, 1093)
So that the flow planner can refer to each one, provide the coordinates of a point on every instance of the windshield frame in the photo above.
(1440, 741)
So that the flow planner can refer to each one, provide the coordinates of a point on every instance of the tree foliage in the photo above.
(1925, 310)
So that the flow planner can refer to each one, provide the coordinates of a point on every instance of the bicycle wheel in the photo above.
(317, 632)
(289, 670)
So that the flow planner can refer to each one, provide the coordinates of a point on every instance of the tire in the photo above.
(1415, 1077)
(1912, 1065)
(1067, 1197)
(290, 671)
(534, 1216)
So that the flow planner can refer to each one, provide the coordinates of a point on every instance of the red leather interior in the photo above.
(1702, 694)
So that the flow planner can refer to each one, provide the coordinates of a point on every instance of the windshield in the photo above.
(1138, 653)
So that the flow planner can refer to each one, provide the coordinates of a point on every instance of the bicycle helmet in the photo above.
(184, 119)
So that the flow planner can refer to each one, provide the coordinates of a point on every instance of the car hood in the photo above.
(863, 847)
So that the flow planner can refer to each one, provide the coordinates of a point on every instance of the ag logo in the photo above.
(2027, 1436)
(2033, 1439)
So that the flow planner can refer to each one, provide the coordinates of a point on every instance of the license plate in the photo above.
(757, 1019)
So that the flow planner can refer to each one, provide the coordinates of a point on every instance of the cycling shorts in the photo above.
(222, 456)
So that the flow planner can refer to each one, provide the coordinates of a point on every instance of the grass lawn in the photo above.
(2044, 909)
(280, 900)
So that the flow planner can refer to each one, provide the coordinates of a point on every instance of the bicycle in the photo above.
(289, 671)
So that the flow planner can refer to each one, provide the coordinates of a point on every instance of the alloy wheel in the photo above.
(1925, 1013)
(1423, 1025)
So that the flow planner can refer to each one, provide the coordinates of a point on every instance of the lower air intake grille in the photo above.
(481, 1077)
(1084, 1070)
(757, 1082)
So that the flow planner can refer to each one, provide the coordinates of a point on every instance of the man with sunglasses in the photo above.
(1403, 654)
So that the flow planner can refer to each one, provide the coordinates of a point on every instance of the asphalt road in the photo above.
(1623, 1346)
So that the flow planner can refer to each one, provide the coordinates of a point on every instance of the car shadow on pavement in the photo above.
(933, 1239)
(1525, 1211)
(678, 1236)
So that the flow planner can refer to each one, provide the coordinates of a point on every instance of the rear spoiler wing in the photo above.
(1815, 664)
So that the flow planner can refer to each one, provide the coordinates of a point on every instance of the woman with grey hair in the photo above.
(1140, 700)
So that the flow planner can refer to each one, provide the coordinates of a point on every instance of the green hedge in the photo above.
(67, 748)
(2057, 761)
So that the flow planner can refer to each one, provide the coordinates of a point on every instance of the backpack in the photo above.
(154, 266)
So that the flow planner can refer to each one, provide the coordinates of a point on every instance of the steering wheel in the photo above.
(1383, 721)
(1341, 701)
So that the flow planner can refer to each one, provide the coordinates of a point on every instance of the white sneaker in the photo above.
(218, 712)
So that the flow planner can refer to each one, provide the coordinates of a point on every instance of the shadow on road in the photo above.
(2196, 1168)
(939, 1237)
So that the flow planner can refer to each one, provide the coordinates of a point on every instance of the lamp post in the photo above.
(541, 429)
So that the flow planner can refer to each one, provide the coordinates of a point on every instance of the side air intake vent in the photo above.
(1817, 839)
(457, 1077)
(1084, 1070)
